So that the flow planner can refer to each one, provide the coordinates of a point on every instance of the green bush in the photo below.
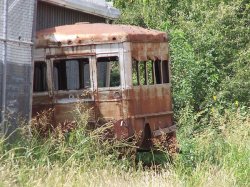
(210, 63)
(220, 141)
(209, 43)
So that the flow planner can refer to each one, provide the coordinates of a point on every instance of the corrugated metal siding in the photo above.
(49, 15)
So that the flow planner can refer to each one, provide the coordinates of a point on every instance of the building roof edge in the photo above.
(101, 10)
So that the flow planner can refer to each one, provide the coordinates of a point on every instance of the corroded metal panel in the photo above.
(135, 110)
(152, 51)
(87, 34)
(145, 43)
(152, 104)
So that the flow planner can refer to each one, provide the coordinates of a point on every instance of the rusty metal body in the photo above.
(133, 107)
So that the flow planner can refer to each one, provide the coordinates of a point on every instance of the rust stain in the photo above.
(132, 108)
(87, 33)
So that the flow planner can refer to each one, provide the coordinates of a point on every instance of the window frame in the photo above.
(45, 92)
(146, 72)
(107, 55)
(72, 58)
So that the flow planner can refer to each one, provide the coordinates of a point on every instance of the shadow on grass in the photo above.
(153, 158)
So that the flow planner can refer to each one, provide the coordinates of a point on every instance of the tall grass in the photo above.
(219, 142)
(215, 152)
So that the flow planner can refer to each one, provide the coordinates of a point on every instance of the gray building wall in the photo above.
(16, 47)
(1, 90)
(49, 15)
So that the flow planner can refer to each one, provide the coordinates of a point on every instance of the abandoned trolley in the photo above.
(120, 71)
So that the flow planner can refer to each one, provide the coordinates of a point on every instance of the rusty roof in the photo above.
(86, 33)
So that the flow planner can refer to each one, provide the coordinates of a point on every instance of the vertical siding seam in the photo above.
(51, 15)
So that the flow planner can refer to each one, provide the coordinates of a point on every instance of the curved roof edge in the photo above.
(94, 33)
(91, 7)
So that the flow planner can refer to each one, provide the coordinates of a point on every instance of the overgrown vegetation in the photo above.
(215, 152)
(210, 59)
(39, 147)
(209, 43)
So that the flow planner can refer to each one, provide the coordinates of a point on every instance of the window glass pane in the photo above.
(108, 72)
(60, 75)
(165, 71)
(40, 79)
(84, 75)
(158, 72)
(71, 74)
(101, 73)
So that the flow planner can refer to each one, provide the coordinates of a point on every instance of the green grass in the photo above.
(215, 152)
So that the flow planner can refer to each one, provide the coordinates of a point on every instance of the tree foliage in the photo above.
(209, 42)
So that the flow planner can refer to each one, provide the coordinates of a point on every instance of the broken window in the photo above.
(165, 72)
(143, 73)
(150, 72)
(108, 72)
(40, 78)
(71, 74)
(158, 72)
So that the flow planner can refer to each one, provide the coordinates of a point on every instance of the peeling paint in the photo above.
(131, 108)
